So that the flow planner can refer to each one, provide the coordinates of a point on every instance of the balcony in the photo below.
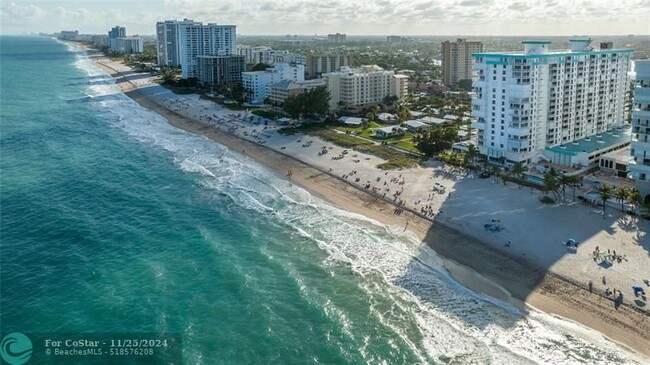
(478, 125)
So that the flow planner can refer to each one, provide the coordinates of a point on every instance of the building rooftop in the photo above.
(416, 124)
(617, 136)
(433, 120)
(557, 53)
(624, 155)
(351, 120)
(535, 42)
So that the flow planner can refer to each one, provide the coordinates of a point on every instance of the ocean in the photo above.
(112, 221)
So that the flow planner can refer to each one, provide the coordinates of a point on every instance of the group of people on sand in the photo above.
(427, 211)
(610, 256)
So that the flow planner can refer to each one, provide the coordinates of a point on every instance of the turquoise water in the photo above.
(535, 179)
(113, 221)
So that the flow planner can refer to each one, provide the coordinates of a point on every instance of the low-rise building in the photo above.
(586, 152)
(258, 81)
(387, 118)
(351, 121)
(617, 162)
(217, 70)
(386, 132)
(279, 92)
(416, 126)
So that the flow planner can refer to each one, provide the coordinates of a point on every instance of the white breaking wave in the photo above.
(452, 323)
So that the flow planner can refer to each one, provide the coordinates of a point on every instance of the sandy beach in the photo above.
(448, 209)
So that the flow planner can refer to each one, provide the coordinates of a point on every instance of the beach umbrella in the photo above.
(638, 289)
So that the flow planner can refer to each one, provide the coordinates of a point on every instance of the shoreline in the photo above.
(472, 263)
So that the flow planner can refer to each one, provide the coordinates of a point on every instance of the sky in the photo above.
(353, 17)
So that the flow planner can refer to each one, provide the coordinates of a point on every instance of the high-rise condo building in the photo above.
(317, 65)
(364, 86)
(178, 43)
(217, 70)
(128, 45)
(641, 128)
(336, 38)
(70, 35)
(539, 99)
(457, 60)
(113, 34)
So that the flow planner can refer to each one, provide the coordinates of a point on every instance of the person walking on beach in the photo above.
(407, 225)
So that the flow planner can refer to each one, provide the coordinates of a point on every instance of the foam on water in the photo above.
(435, 316)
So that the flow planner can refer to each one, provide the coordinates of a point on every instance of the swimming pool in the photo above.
(593, 194)
(535, 179)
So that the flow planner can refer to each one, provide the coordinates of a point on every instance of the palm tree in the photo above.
(573, 181)
(565, 181)
(501, 160)
(472, 152)
(635, 198)
(605, 191)
(551, 183)
(518, 172)
(373, 113)
(429, 110)
(622, 193)
(495, 172)
(403, 113)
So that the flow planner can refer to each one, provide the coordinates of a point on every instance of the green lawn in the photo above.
(406, 144)
(394, 159)
(341, 139)
(268, 114)
(179, 89)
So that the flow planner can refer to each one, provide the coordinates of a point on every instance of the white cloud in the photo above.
(352, 17)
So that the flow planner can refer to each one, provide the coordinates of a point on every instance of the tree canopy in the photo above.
(314, 101)
(436, 140)
(260, 67)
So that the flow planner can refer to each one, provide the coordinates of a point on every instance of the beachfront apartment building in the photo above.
(179, 43)
(128, 45)
(266, 55)
(258, 82)
(99, 40)
(315, 66)
(528, 102)
(69, 35)
(113, 34)
(457, 60)
(640, 167)
(217, 70)
(252, 55)
(364, 86)
(281, 91)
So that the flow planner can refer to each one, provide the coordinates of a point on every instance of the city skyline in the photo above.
(307, 17)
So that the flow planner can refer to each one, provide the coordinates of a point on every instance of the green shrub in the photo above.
(546, 200)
